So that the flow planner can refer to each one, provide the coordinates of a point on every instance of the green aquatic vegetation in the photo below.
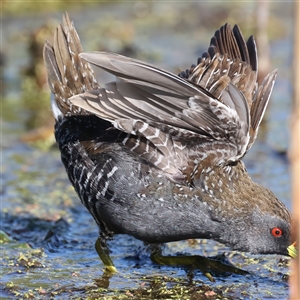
(36, 102)
(4, 238)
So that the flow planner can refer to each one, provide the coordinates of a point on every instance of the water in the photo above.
(51, 252)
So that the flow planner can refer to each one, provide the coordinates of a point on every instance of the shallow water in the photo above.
(51, 248)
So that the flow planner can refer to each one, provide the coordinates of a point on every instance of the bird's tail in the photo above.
(68, 74)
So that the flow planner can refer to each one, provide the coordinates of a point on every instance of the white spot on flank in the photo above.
(114, 169)
(103, 192)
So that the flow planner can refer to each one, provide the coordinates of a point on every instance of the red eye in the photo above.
(277, 232)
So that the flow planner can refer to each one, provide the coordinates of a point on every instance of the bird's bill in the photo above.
(292, 250)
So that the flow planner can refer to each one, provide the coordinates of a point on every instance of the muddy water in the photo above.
(49, 248)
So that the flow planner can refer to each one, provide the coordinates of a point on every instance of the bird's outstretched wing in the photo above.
(230, 57)
(175, 123)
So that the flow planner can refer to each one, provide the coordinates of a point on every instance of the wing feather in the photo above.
(148, 102)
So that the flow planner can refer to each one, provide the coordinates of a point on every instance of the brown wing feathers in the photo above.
(169, 120)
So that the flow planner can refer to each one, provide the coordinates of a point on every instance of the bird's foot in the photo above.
(103, 253)
(204, 264)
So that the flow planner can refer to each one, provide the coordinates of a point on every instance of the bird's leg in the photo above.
(204, 264)
(103, 251)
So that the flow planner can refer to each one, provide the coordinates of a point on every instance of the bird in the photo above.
(158, 156)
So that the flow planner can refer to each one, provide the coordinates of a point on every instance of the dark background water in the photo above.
(49, 251)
